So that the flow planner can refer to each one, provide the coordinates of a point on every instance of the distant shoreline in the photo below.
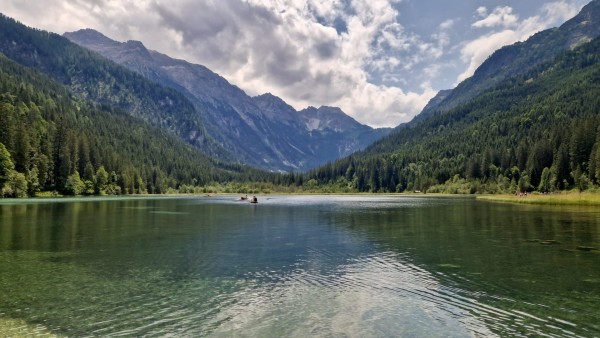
(562, 198)
(571, 198)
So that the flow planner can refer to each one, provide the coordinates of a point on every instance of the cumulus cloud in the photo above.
(557, 12)
(299, 52)
(446, 25)
(354, 54)
(482, 11)
(476, 51)
(309, 52)
(507, 29)
(501, 16)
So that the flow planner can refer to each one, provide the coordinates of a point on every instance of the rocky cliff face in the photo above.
(263, 131)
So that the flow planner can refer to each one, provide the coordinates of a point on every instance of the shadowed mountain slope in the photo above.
(263, 131)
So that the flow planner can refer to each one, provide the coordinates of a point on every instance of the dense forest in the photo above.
(94, 128)
(50, 140)
(523, 57)
(103, 83)
(538, 131)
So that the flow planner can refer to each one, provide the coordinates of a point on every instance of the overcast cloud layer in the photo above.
(379, 60)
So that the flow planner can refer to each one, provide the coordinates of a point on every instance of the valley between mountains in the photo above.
(85, 114)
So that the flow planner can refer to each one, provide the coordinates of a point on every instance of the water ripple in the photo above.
(374, 295)
(319, 274)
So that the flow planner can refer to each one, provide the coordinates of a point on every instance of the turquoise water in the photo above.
(297, 266)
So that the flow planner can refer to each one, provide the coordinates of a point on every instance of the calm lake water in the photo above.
(298, 266)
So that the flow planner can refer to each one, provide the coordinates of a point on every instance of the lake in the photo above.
(298, 266)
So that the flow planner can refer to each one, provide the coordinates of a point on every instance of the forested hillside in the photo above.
(54, 141)
(91, 77)
(75, 123)
(262, 131)
(521, 58)
(538, 131)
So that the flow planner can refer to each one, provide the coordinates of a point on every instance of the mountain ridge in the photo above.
(263, 130)
(99, 80)
(51, 140)
(538, 129)
(516, 59)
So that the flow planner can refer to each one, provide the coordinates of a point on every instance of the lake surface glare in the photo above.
(298, 266)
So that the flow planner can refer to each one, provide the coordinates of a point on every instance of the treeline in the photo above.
(51, 140)
(75, 135)
(539, 131)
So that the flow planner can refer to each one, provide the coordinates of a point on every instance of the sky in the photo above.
(381, 61)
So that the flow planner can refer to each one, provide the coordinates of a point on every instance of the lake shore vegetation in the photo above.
(588, 198)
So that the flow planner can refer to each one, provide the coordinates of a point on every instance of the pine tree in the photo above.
(6, 165)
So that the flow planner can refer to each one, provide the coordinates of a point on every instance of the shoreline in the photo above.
(562, 198)
(17, 327)
(569, 198)
(44, 196)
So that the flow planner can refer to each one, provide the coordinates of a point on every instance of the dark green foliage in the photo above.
(52, 135)
(6, 165)
(103, 84)
(538, 130)
(87, 126)
(76, 123)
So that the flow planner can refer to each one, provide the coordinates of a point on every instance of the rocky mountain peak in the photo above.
(90, 36)
(282, 138)
(275, 107)
(270, 99)
(101, 43)
(332, 118)
(134, 44)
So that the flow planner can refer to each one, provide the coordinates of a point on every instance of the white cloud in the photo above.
(560, 11)
(446, 25)
(326, 9)
(501, 16)
(287, 50)
(476, 51)
(482, 11)
(309, 52)
(391, 101)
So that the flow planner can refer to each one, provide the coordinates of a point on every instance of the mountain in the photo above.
(520, 58)
(262, 131)
(339, 133)
(52, 140)
(503, 130)
(427, 111)
(330, 118)
(103, 82)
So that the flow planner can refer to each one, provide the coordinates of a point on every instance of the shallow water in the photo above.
(302, 266)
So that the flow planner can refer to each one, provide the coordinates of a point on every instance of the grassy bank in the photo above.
(563, 198)
(19, 328)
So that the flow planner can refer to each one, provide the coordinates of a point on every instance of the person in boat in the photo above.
(244, 198)
(254, 199)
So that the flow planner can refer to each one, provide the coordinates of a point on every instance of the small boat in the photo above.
(254, 200)
(244, 198)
